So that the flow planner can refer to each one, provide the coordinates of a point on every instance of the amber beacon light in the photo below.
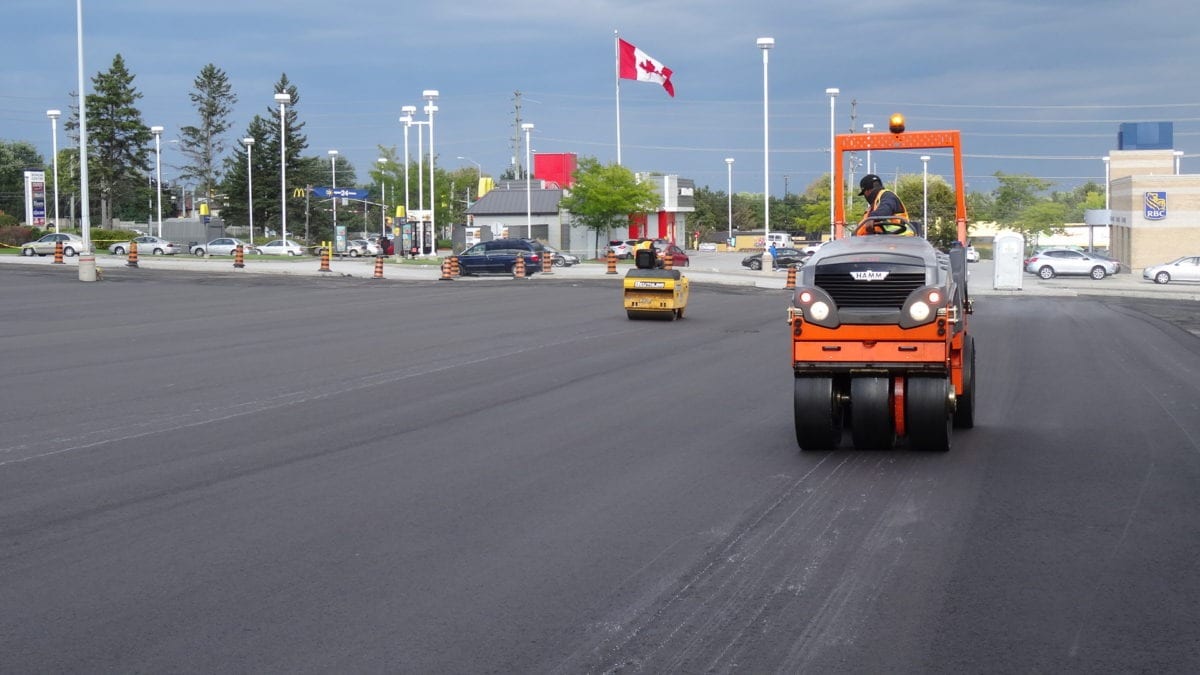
(896, 123)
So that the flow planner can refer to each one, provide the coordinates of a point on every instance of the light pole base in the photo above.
(87, 267)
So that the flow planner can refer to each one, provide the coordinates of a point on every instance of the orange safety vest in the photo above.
(870, 225)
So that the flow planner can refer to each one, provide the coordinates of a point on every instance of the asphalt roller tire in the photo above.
(927, 416)
(871, 413)
(964, 409)
(817, 414)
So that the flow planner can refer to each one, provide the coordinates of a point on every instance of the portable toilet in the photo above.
(1008, 253)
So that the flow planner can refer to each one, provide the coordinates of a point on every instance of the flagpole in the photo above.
(617, 79)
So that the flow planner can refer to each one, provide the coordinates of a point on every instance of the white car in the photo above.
(972, 254)
(147, 245)
(1186, 268)
(72, 244)
(281, 247)
(223, 246)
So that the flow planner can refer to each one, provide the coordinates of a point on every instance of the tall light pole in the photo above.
(431, 95)
(54, 145)
(925, 193)
(87, 263)
(420, 240)
(729, 197)
(333, 191)
(528, 127)
(283, 98)
(249, 143)
(382, 161)
(1107, 179)
(1178, 156)
(407, 119)
(765, 44)
(833, 94)
(869, 126)
(157, 131)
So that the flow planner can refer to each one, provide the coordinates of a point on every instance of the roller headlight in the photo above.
(819, 311)
(919, 311)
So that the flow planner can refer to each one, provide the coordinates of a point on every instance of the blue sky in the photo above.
(1036, 87)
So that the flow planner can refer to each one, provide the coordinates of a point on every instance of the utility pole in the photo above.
(516, 137)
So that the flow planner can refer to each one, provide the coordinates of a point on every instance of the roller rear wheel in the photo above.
(871, 413)
(927, 415)
(817, 414)
(964, 409)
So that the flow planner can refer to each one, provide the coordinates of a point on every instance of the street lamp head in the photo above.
(156, 130)
(382, 160)
(1106, 158)
(283, 97)
(333, 153)
(729, 161)
(833, 91)
(248, 141)
(430, 108)
(430, 94)
(53, 114)
(924, 158)
(527, 126)
(766, 42)
(869, 126)
(408, 109)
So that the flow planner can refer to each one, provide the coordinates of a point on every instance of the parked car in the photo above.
(72, 244)
(281, 247)
(223, 246)
(1052, 262)
(367, 247)
(784, 258)
(679, 257)
(147, 245)
(499, 256)
(1186, 268)
(561, 259)
(623, 249)
(972, 254)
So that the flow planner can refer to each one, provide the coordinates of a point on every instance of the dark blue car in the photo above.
(499, 256)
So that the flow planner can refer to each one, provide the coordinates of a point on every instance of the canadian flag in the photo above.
(635, 64)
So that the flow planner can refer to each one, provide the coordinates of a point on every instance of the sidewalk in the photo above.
(706, 268)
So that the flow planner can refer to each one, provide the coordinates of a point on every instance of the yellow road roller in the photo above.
(652, 293)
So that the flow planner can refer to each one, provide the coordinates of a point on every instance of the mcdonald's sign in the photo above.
(299, 192)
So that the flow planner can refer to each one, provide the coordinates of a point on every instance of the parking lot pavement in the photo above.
(706, 267)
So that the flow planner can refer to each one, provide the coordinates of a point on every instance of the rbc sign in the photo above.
(1154, 205)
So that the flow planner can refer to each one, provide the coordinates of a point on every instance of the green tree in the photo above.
(1014, 194)
(941, 222)
(1040, 217)
(15, 158)
(204, 144)
(295, 143)
(236, 183)
(119, 143)
(604, 195)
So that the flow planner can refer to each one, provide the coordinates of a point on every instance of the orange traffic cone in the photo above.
(378, 267)
(239, 257)
(58, 253)
(447, 274)
(791, 278)
(133, 258)
(612, 262)
(324, 260)
(519, 267)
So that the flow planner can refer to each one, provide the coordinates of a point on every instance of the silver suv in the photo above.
(1051, 262)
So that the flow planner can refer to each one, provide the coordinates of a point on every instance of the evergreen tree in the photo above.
(204, 145)
(119, 151)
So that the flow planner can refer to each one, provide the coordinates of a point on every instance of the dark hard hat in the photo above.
(868, 182)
